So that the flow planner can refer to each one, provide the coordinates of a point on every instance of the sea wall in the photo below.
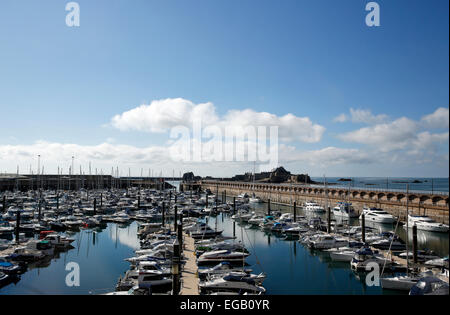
(395, 202)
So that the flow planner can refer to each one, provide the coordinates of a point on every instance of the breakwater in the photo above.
(395, 202)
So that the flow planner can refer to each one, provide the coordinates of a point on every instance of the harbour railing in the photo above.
(332, 186)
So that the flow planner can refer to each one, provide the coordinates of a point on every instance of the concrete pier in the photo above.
(189, 277)
(420, 203)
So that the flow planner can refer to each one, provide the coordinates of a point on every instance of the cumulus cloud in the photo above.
(341, 118)
(402, 133)
(362, 116)
(389, 136)
(161, 115)
(328, 156)
(438, 119)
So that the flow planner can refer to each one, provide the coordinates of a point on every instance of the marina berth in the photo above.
(226, 250)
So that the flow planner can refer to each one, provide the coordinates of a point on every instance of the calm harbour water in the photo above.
(435, 185)
(100, 255)
(291, 268)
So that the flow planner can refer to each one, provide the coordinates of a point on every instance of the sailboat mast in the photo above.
(407, 228)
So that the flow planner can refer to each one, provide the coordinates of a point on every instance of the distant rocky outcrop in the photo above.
(278, 175)
(189, 177)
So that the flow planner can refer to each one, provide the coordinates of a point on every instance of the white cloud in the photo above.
(366, 116)
(341, 118)
(438, 119)
(361, 116)
(386, 137)
(161, 115)
(325, 157)
(291, 127)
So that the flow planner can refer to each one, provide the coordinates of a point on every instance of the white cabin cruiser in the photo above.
(222, 255)
(231, 283)
(425, 223)
(344, 210)
(312, 206)
(220, 269)
(377, 215)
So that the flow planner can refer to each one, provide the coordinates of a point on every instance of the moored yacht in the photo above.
(425, 223)
(377, 215)
(222, 255)
(313, 206)
(344, 210)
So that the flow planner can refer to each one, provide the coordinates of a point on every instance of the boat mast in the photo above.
(407, 228)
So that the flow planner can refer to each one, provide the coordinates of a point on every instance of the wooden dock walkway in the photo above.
(189, 277)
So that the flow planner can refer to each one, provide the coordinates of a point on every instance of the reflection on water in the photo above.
(100, 254)
(438, 242)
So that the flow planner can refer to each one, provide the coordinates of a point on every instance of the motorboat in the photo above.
(343, 254)
(258, 278)
(231, 283)
(377, 215)
(402, 283)
(425, 223)
(153, 279)
(255, 199)
(58, 241)
(438, 262)
(41, 245)
(220, 269)
(8, 267)
(391, 242)
(344, 210)
(256, 220)
(430, 286)
(238, 247)
(222, 255)
(205, 232)
(314, 207)
(365, 256)
(326, 241)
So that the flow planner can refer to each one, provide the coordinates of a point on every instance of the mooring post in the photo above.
(139, 202)
(268, 207)
(175, 218)
(234, 212)
(414, 247)
(4, 203)
(207, 199)
(17, 227)
(363, 227)
(57, 201)
(225, 196)
(40, 208)
(95, 206)
(101, 200)
(163, 214)
(295, 211)
(180, 238)
(329, 220)
(176, 268)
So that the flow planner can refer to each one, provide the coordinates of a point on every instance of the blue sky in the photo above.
(314, 59)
